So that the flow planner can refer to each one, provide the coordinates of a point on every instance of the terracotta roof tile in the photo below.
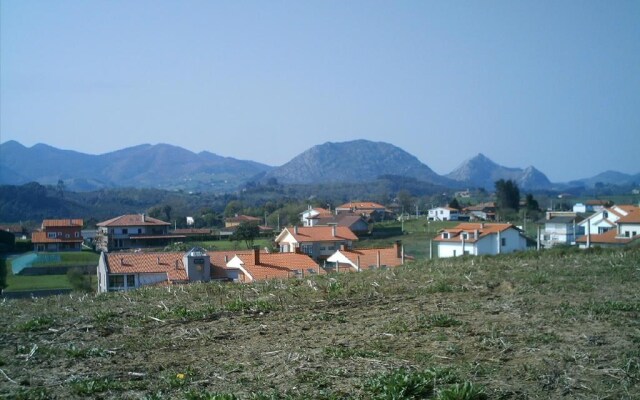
(50, 223)
(134, 263)
(133, 220)
(369, 257)
(321, 234)
(609, 237)
(42, 237)
(278, 265)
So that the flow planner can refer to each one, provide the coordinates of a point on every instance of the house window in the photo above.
(445, 235)
(125, 231)
(602, 229)
(131, 280)
(51, 235)
(67, 236)
(503, 241)
(605, 214)
(77, 234)
(307, 249)
(626, 234)
(116, 281)
(139, 231)
(633, 233)
(465, 235)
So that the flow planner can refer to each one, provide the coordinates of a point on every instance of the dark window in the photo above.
(116, 281)
(131, 280)
(125, 231)
(503, 241)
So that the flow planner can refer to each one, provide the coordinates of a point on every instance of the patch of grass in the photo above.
(250, 306)
(36, 324)
(442, 321)
(88, 387)
(465, 391)
(32, 394)
(205, 395)
(407, 384)
(16, 283)
(347, 352)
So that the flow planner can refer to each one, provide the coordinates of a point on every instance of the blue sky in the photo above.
(554, 84)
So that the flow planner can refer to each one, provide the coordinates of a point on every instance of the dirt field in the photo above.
(559, 324)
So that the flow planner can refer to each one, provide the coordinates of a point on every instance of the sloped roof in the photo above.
(484, 229)
(50, 223)
(147, 263)
(319, 234)
(277, 265)
(609, 237)
(133, 220)
(41, 237)
(368, 257)
(633, 216)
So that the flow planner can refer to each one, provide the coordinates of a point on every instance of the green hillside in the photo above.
(556, 324)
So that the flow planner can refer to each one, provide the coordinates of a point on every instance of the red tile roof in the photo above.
(321, 234)
(147, 263)
(42, 237)
(609, 237)
(633, 216)
(369, 257)
(484, 229)
(133, 220)
(278, 265)
(49, 223)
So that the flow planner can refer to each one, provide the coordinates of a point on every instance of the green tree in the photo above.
(405, 200)
(530, 203)
(454, 204)
(247, 232)
(507, 196)
(167, 212)
(233, 207)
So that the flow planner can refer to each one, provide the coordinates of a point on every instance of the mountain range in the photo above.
(170, 167)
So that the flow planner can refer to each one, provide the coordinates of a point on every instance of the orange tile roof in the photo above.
(41, 237)
(369, 257)
(484, 229)
(278, 265)
(321, 234)
(62, 222)
(132, 220)
(609, 237)
(632, 217)
(147, 263)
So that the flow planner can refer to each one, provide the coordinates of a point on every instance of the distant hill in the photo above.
(609, 178)
(480, 171)
(354, 161)
(155, 166)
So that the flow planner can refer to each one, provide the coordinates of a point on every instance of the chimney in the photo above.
(143, 217)
(256, 255)
(226, 258)
(481, 225)
(398, 247)
(177, 264)
(158, 260)
(343, 247)
(295, 229)
(475, 234)
(378, 259)
(358, 264)
(333, 231)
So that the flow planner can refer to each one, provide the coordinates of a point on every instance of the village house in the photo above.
(362, 259)
(58, 235)
(355, 223)
(240, 219)
(605, 219)
(318, 242)
(126, 271)
(560, 227)
(367, 209)
(443, 214)
(257, 266)
(17, 230)
(479, 239)
(134, 231)
(311, 216)
(624, 230)
(482, 211)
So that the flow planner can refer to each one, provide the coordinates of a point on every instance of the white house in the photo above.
(605, 219)
(560, 228)
(479, 239)
(443, 214)
(126, 271)
(311, 216)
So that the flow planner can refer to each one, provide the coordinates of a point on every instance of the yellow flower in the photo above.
(180, 376)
